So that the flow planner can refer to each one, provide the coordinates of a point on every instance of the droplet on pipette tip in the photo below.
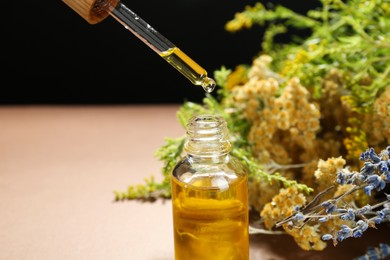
(208, 84)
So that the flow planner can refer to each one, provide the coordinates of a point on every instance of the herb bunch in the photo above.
(300, 116)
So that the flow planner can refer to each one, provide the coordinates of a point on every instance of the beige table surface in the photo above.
(59, 166)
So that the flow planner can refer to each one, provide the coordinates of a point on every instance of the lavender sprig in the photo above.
(373, 176)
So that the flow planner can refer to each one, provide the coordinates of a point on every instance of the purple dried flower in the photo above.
(363, 210)
(327, 237)
(368, 189)
(357, 233)
(344, 233)
(362, 225)
(329, 207)
(350, 215)
(367, 169)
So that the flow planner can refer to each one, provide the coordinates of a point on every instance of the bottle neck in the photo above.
(207, 138)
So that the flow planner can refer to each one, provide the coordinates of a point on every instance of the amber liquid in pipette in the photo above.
(189, 68)
(210, 224)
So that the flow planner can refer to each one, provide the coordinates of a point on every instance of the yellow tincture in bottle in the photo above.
(210, 196)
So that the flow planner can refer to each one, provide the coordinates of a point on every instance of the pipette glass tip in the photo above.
(167, 50)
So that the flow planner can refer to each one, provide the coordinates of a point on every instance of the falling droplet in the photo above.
(208, 84)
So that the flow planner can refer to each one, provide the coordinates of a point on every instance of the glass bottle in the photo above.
(209, 196)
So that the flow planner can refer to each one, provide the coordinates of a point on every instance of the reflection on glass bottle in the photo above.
(210, 196)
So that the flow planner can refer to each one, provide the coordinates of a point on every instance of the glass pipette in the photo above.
(95, 11)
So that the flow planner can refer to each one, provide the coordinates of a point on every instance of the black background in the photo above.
(50, 55)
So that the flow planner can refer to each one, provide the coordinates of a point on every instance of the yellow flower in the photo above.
(237, 77)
